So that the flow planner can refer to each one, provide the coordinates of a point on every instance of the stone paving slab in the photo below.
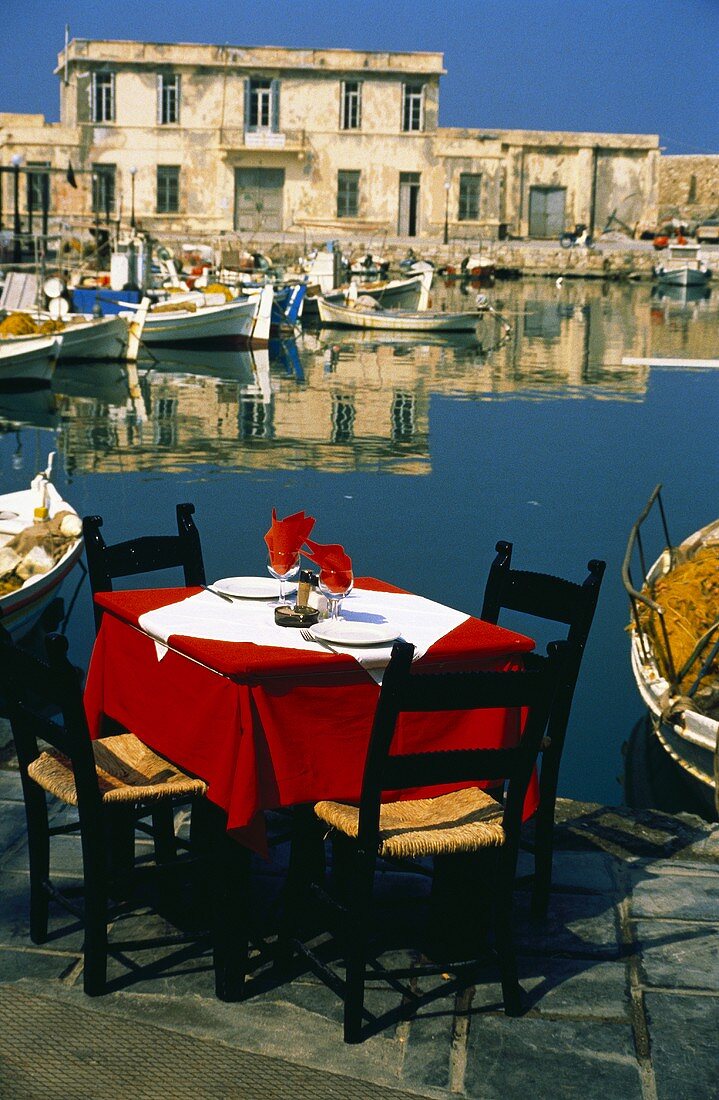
(684, 1046)
(631, 941)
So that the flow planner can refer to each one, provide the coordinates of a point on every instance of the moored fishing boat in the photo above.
(36, 553)
(28, 359)
(675, 645)
(241, 322)
(683, 266)
(409, 293)
(364, 316)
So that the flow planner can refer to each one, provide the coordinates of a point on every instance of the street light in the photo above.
(133, 173)
(446, 212)
(16, 161)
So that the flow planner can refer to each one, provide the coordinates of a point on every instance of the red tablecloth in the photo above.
(267, 727)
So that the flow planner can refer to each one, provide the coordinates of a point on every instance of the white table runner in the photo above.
(205, 615)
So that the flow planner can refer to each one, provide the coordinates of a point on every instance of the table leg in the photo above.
(230, 895)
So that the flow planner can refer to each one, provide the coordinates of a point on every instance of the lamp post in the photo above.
(133, 173)
(16, 161)
(446, 212)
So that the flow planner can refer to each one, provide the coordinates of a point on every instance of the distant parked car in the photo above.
(708, 230)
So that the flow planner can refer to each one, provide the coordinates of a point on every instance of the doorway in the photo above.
(408, 204)
(259, 197)
(546, 211)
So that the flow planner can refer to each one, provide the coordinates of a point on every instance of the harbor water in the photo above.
(416, 454)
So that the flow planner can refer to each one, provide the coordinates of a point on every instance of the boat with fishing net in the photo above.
(675, 644)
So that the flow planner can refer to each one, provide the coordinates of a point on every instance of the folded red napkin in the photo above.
(335, 565)
(285, 536)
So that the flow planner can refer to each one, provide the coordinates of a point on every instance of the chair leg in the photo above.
(121, 841)
(95, 951)
(163, 825)
(359, 902)
(511, 991)
(544, 835)
(38, 839)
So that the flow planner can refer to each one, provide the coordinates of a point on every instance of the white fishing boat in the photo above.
(28, 359)
(675, 646)
(683, 266)
(241, 322)
(26, 587)
(369, 315)
(93, 338)
(410, 293)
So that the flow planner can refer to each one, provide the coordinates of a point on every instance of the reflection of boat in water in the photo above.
(235, 364)
(106, 382)
(675, 645)
(35, 408)
(682, 295)
(461, 341)
(652, 780)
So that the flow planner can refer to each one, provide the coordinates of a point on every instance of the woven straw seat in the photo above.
(127, 771)
(463, 821)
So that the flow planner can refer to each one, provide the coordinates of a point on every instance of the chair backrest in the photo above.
(552, 598)
(145, 554)
(44, 703)
(405, 691)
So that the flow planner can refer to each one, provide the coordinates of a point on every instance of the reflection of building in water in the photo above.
(340, 401)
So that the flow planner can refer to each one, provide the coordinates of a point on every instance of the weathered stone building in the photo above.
(689, 188)
(310, 144)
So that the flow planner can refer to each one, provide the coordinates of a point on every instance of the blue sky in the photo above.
(631, 66)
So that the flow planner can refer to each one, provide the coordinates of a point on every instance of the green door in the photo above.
(258, 199)
(546, 211)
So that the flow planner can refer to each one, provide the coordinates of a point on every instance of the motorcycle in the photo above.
(580, 237)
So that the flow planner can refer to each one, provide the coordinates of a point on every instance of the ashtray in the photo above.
(296, 616)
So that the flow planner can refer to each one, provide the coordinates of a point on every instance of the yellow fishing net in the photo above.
(218, 288)
(689, 597)
(22, 324)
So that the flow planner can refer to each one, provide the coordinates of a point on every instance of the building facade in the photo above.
(305, 144)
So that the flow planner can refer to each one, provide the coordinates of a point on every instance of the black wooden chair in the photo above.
(468, 820)
(561, 601)
(113, 779)
(146, 554)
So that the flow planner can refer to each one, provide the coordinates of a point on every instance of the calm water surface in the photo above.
(417, 455)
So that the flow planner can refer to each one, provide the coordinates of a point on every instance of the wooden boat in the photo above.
(93, 339)
(675, 646)
(683, 266)
(28, 359)
(241, 322)
(396, 320)
(410, 293)
(21, 607)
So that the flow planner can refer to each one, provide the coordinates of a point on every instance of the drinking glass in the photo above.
(335, 586)
(283, 567)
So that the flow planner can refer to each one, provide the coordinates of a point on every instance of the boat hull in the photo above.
(94, 339)
(396, 320)
(20, 610)
(684, 276)
(28, 359)
(210, 326)
(396, 294)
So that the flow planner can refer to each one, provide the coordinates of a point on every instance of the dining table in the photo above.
(271, 718)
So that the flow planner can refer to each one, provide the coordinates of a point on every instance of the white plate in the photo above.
(249, 588)
(347, 632)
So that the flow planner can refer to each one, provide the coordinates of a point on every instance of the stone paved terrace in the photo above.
(622, 985)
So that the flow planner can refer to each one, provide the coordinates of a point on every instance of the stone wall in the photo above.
(688, 188)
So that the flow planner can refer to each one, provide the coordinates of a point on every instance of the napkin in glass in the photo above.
(286, 536)
(334, 563)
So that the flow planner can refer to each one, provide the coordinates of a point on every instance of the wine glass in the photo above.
(335, 585)
(283, 566)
